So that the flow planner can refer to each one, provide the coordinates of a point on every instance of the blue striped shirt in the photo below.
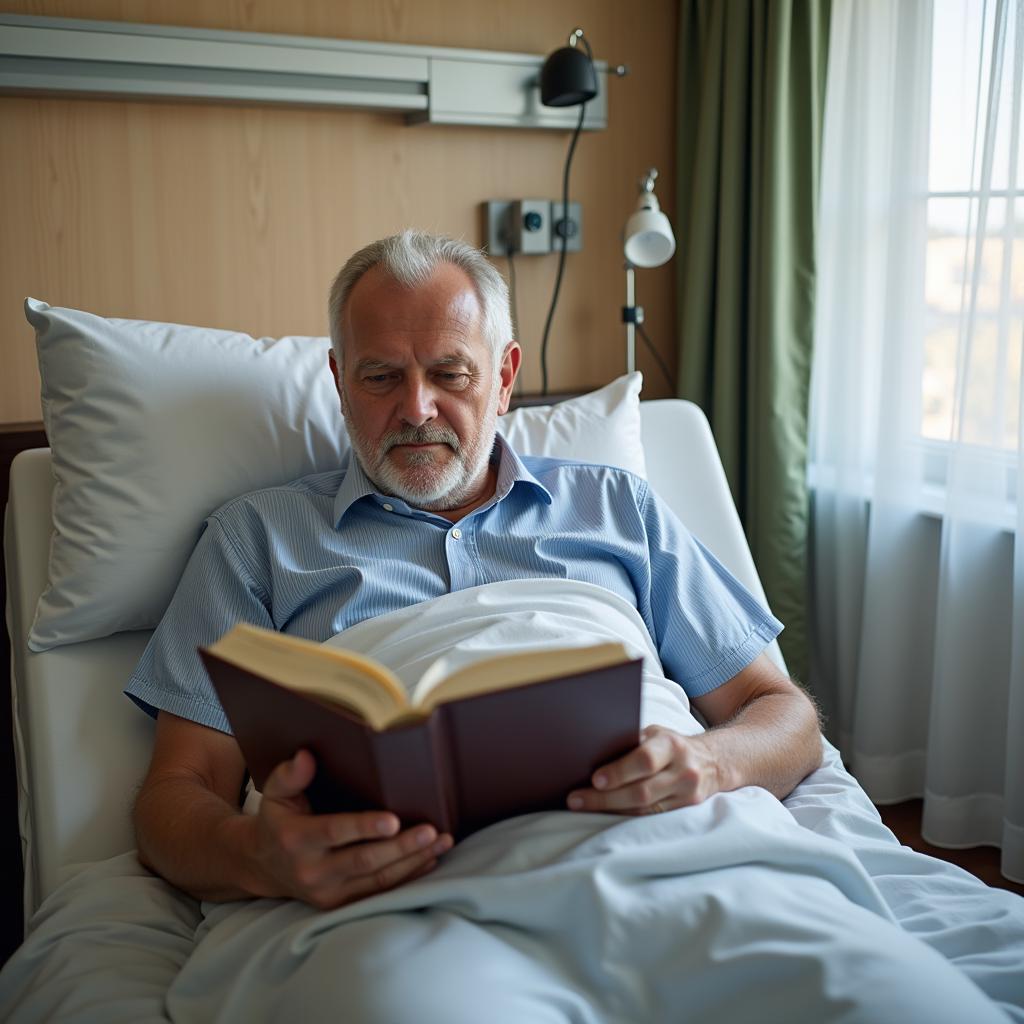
(318, 555)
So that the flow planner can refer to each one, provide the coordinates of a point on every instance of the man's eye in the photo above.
(452, 376)
(377, 378)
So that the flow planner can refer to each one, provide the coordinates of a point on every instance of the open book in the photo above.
(502, 736)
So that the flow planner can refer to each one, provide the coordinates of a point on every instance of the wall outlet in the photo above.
(522, 225)
(529, 226)
(532, 227)
(571, 228)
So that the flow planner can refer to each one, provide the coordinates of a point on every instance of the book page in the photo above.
(342, 677)
(510, 670)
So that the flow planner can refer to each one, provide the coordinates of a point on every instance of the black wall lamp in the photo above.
(568, 78)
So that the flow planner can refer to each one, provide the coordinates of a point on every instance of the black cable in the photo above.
(561, 255)
(657, 356)
(513, 304)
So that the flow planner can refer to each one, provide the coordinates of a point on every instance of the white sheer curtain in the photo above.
(916, 423)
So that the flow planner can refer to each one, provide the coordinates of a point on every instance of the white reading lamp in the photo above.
(647, 241)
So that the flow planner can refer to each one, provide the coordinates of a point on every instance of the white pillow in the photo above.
(603, 426)
(154, 425)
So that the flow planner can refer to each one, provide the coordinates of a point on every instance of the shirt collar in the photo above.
(355, 485)
(512, 471)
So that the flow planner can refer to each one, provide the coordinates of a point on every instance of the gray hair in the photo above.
(411, 258)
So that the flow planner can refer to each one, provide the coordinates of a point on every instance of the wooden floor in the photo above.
(982, 861)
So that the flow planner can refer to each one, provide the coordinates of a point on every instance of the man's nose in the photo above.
(416, 403)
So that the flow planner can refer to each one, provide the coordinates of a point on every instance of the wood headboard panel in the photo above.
(239, 216)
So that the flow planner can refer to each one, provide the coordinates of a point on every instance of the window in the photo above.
(974, 265)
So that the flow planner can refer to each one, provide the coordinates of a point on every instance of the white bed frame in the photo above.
(82, 747)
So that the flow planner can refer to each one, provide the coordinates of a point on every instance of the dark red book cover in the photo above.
(471, 762)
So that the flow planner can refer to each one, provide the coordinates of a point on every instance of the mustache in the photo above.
(428, 434)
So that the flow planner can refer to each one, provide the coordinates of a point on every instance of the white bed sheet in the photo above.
(725, 912)
(739, 909)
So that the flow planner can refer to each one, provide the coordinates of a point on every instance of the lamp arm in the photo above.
(577, 36)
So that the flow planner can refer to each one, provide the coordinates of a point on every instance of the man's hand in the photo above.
(191, 831)
(328, 860)
(764, 732)
(666, 771)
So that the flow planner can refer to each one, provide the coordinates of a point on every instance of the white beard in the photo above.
(428, 480)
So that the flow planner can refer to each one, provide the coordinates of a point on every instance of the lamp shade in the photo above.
(648, 239)
(567, 78)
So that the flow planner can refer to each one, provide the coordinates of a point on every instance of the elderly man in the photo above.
(424, 363)
(730, 907)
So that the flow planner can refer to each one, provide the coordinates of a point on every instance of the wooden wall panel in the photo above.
(238, 216)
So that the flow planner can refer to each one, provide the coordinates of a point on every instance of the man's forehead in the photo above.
(384, 319)
(446, 298)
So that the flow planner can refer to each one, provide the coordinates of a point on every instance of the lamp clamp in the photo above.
(647, 180)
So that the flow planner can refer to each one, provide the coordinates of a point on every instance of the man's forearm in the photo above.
(764, 732)
(773, 742)
(196, 840)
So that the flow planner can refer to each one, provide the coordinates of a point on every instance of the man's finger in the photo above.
(403, 869)
(652, 756)
(649, 795)
(305, 834)
(371, 858)
(341, 829)
(290, 778)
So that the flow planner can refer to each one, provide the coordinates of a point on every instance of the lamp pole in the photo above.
(647, 241)
(632, 314)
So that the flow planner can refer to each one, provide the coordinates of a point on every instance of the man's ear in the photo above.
(335, 373)
(510, 361)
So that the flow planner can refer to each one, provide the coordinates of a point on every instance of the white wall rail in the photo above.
(434, 85)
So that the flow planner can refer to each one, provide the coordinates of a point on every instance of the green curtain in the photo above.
(750, 104)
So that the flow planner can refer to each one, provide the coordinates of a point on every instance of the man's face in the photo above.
(419, 389)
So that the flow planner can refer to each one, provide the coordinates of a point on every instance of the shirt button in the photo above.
(457, 533)
(387, 507)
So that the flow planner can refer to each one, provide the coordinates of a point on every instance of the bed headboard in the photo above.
(82, 747)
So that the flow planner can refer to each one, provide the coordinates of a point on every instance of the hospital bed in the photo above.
(82, 748)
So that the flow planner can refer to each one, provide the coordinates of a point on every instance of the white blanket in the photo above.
(738, 909)
(437, 637)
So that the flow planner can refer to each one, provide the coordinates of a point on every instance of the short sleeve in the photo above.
(217, 590)
(708, 626)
